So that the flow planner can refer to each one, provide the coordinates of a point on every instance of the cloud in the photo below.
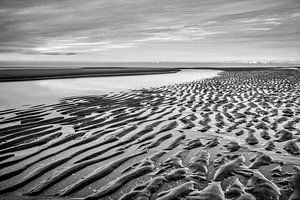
(61, 53)
(58, 27)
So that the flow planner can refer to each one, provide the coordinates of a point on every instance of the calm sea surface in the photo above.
(16, 94)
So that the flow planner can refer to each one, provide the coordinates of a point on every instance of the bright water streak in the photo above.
(15, 94)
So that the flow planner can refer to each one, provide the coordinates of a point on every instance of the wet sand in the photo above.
(198, 140)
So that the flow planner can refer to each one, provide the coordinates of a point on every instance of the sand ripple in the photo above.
(197, 140)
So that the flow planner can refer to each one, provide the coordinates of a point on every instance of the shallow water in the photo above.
(15, 94)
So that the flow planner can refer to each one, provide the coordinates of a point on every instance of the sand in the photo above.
(234, 136)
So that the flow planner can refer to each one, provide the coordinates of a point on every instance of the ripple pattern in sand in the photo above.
(189, 141)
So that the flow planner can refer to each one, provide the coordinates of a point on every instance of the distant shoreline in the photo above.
(30, 74)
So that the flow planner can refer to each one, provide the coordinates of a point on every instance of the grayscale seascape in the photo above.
(150, 100)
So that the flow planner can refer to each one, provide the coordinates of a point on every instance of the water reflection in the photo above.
(48, 91)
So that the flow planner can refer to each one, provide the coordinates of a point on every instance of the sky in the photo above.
(150, 30)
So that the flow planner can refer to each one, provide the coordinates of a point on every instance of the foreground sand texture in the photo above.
(234, 136)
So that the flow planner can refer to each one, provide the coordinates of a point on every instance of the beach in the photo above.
(233, 135)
